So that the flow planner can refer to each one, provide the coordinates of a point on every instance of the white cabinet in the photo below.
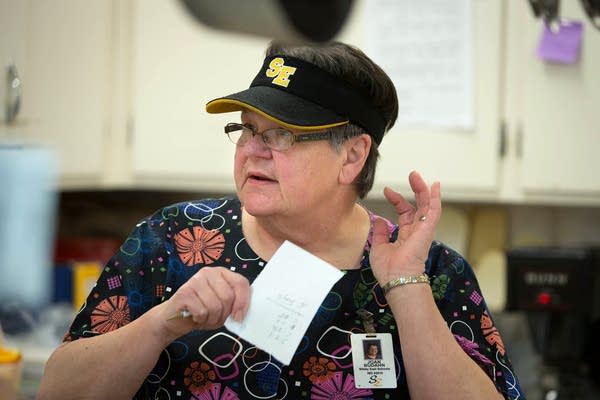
(465, 161)
(62, 51)
(13, 23)
(552, 112)
(548, 111)
(119, 88)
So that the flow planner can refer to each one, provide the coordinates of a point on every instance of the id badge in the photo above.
(373, 359)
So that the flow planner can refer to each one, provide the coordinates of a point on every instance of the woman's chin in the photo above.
(258, 205)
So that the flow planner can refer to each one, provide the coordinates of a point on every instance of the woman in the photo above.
(306, 151)
(372, 352)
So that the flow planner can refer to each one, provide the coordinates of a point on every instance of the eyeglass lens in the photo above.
(276, 138)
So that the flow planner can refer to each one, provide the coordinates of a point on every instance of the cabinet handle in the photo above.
(502, 141)
(13, 93)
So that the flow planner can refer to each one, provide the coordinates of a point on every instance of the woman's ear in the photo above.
(356, 150)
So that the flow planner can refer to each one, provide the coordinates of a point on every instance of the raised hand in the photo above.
(407, 255)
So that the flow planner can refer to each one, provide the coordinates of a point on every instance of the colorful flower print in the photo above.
(197, 245)
(214, 393)
(439, 285)
(198, 377)
(472, 349)
(318, 369)
(492, 336)
(110, 314)
(334, 389)
(362, 295)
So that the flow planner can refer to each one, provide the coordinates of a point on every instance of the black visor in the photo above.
(299, 95)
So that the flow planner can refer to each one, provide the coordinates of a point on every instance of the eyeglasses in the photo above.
(279, 139)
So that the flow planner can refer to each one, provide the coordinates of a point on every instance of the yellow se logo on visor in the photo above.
(280, 72)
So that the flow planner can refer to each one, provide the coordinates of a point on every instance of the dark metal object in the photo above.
(308, 20)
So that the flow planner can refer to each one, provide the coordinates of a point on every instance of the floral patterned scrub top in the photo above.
(167, 248)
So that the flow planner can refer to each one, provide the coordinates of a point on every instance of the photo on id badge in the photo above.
(373, 360)
(372, 349)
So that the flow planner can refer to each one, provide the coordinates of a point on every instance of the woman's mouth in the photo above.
(259, 178)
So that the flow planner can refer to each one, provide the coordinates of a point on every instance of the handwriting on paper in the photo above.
(285, 298)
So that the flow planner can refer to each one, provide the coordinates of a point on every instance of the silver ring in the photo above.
(422, 218)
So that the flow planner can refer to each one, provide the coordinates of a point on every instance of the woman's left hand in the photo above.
(408, 254)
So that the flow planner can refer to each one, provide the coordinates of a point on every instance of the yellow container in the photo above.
(85, 275)
(11, 365)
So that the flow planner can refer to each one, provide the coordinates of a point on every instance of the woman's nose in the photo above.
(257, 146)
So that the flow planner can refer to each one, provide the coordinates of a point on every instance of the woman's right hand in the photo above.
(210, 296)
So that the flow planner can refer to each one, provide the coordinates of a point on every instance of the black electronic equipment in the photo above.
(558, 289)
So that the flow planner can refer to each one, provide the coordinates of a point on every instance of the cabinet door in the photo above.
(62, 50)
(67, 91)
(178, 66)
(557, 111)
(13, 32)
(465, 161)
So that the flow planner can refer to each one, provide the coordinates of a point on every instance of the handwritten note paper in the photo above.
(285, 298)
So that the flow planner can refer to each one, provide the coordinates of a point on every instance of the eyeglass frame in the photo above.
(295, 137)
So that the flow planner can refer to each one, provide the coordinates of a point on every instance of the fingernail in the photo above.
(238, 316)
